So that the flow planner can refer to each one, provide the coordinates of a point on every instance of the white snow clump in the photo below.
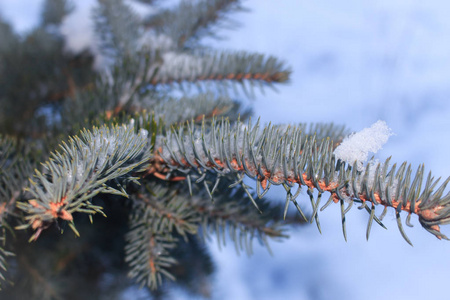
(356, 147)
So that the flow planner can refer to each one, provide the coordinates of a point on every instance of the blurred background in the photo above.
(354, 62)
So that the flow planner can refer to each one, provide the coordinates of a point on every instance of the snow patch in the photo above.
(356, 147)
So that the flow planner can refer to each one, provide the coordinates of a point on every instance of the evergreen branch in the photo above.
(230, 212)
(157, 213)
(286, 155)
(147, 1)
(4, 254)
(147, 251)
(115, 94)
(48, 93)
(117, 28)
(46, 75)
(13, 168)
(196, 107)
(8, 37)
(126, 89)
(160, 212)
(132, 82)
(166, 211)
(86, 166)
(222, 67)
(190, 21)
(44, 287)
(122, 88)
(54, 12)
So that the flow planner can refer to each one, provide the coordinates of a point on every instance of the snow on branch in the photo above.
(287, 156)
(274, 155)
(357, 146)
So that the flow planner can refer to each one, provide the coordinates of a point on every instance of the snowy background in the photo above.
(354, 62)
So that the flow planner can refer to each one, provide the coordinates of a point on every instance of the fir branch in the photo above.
(189, 21)
(221, 68)
(160, 212)
(166, 211)
(13, 169)
(196, 107)
(147, 252)
(146, 1)
(86, 166)
(128, 80)
(54, 12)
(123, 88)
(157, 214)
(4, 254)
(213, 157)
(117, 28)
(46, 75)
(230, 212)
(126, 88)
(47, 289)
(287, 156)
(8, 37)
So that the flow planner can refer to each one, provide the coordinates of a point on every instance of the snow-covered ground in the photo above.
(354, 62)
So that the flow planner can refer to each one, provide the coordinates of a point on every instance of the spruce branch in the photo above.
(126, 83)
(148, 248)
(149, 2)
(54, 12)
(287, 156)
(42, 286)
(191, 20)
(117, 28)
(168, 211)
(8, 36)
(13, 169)
(48, 94)
(197, 107)
(133, 82)
(222, 68)
(230, 212)
(4, 254)
(46, 75)
(160, 213)
(122, 88)
(99, 161)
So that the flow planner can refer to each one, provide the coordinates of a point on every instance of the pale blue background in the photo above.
(354, 62)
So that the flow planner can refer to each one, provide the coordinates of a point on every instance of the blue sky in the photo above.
(353, 62)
